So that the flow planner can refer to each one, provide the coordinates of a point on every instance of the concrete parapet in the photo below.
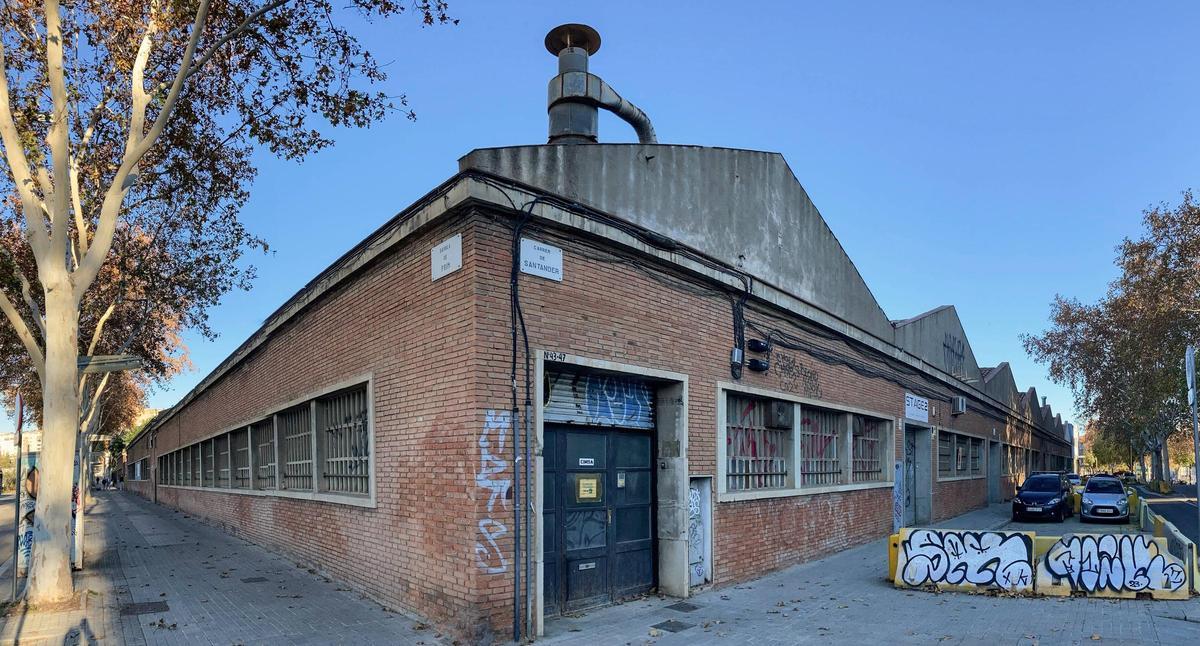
(1163, 566)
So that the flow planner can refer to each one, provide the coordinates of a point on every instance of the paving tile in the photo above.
(148, 554)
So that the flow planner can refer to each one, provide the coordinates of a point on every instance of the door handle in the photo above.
(609, 510)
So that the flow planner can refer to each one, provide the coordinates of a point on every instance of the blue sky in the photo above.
(983, 156)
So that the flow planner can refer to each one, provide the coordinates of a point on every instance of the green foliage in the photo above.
(1122, 356)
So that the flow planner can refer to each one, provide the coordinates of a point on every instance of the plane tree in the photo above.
(128, 131)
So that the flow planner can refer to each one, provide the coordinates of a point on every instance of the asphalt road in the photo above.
(1179, 509)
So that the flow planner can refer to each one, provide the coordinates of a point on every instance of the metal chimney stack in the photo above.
(576, 95)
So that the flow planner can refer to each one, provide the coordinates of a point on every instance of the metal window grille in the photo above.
(187, 465)
(210, 462)
(868, 435)
(945, 454)
(240, 451)
(295, 434)
(976, 456)
(756, 456)
(223, 461)
(197, 461)
(819, 461)
(262, 436)
(345, 441)
(960, 454)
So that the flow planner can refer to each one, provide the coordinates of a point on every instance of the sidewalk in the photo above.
(845, 599)
(155, 576)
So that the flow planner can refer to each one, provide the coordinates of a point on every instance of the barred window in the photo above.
(945, 454)
(819, 433)
(263, 438)
(223, 461)
(345, 441)
(321, 446)
(961, 445)
(240, 452)
(197, 463)
(869, 435)
(209, 452)
(756, 456)
(295, 434)
(976, 456)
(959, 455)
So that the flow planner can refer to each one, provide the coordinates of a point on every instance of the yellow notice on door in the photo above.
(587, 488)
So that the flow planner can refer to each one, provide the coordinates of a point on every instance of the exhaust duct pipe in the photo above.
(575, 95)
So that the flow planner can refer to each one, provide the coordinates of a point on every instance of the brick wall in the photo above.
(439, 354)
(612, 310)
(414, 338)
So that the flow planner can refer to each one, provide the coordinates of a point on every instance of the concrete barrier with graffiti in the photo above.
(1112, 565)
(1101, 565)
(957, 560)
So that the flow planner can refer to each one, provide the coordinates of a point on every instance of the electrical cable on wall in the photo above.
(862, 361)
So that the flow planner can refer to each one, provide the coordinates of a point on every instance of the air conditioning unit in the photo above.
(958, 405)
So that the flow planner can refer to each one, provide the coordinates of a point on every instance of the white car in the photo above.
(1104, 498)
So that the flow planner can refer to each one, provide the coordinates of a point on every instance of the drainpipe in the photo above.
(575, 95)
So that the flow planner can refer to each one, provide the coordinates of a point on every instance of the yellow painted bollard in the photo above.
(1077, 500)
(893, 555)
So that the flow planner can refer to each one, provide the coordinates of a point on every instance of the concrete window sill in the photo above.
(960, 478)
(353, 501)
(734, 496)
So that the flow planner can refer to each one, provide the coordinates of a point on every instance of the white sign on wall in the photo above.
(916, 408)
(446, 258)
(541, 259)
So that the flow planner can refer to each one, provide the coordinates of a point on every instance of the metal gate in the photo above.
(598, 516)
(593, 399)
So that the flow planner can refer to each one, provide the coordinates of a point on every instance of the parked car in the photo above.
(1044, 495)
(1104, 498)
(1074, 479)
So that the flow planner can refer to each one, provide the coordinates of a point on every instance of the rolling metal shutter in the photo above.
(598, 400)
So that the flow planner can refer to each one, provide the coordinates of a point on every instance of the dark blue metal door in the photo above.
(598, 516)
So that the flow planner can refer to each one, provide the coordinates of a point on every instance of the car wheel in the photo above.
(1016, 517)
(1060, 516)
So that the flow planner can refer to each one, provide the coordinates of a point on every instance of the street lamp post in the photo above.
(17, 484)
(1189, 363)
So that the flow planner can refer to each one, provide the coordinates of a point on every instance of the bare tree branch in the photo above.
(18, 164)
(111, 207)
(59, 135)
(23, 332)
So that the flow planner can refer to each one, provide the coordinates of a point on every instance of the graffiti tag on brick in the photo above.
(490, 477)
(795, 377)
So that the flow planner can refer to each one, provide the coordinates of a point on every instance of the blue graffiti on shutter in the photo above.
(601, 400)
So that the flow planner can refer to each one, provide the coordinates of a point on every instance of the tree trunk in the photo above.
(50, 571)
(1166, 463)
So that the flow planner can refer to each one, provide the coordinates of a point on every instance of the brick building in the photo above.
(681, 381)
